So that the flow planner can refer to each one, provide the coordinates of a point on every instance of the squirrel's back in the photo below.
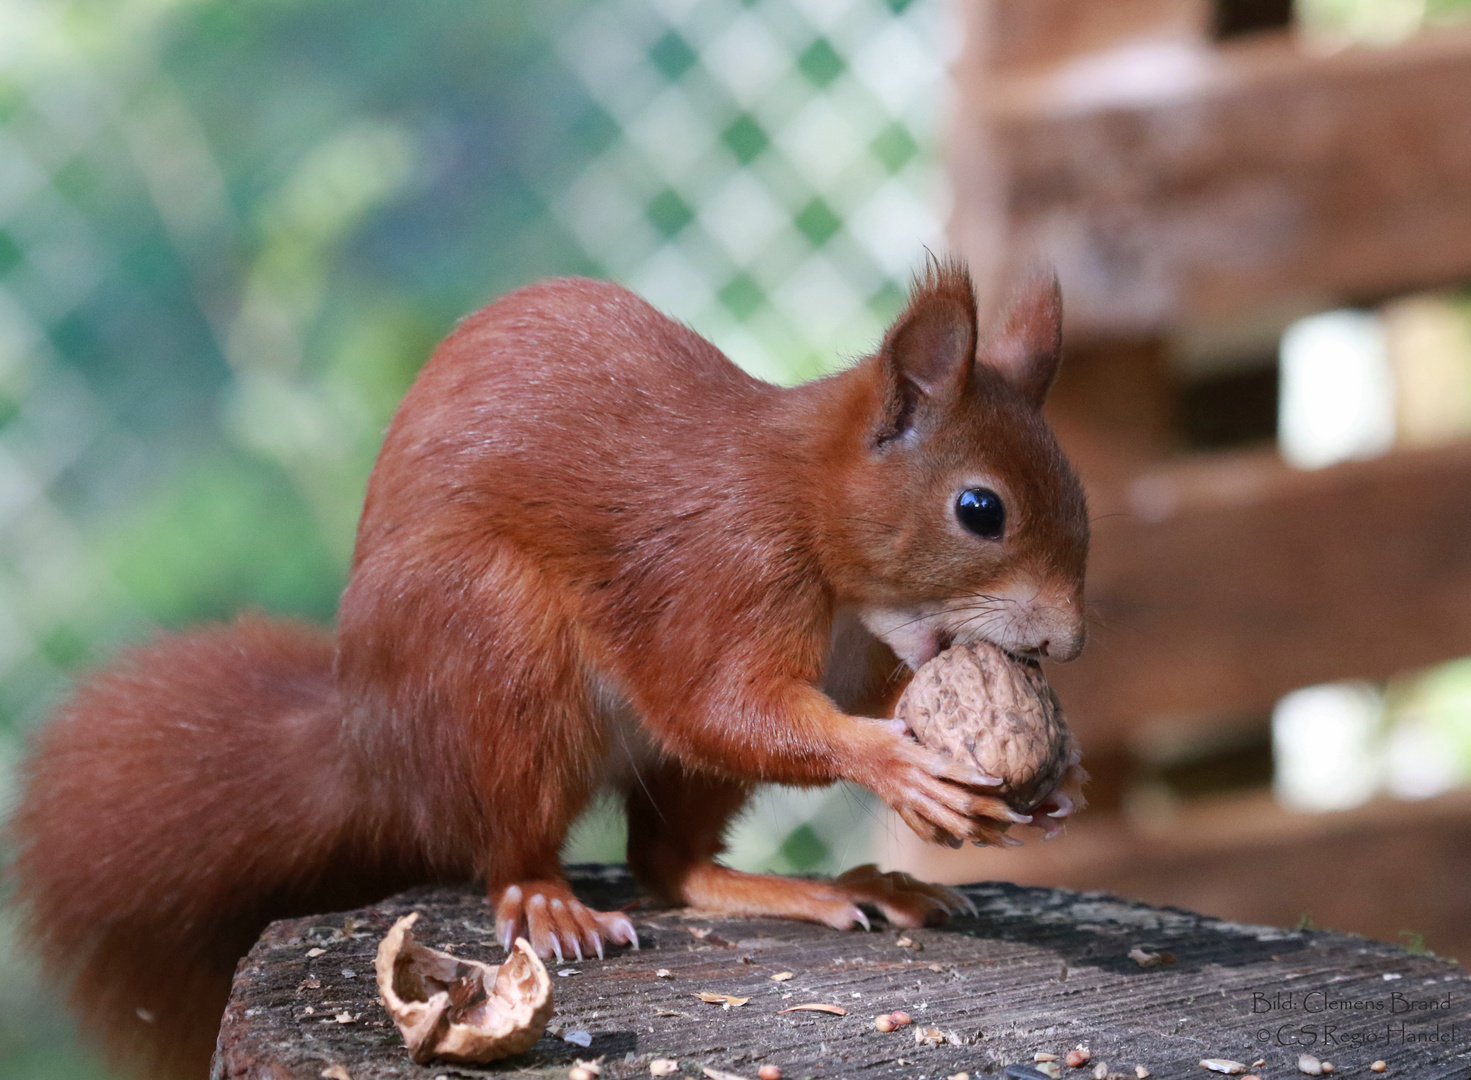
(559, 389)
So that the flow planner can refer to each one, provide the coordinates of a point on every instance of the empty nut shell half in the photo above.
(461, 1010)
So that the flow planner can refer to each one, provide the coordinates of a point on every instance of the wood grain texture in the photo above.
(1035, 969)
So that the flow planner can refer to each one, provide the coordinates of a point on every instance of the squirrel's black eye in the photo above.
(980, 511)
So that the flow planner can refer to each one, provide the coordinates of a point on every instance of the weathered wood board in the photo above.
(1177, 184)
(1033, 970)
(1220, 585)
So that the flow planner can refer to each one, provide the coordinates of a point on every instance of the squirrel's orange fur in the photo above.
(593, 552)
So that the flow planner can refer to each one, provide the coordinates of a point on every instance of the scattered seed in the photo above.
(725, 1000)
(566, 972)
(1050, 1068)
(663, 973)
(908, 942)
(1309, 1065)
(1141, 1072)
(1223, 1065)
(769, 1072)
(344, 1018)
(1259, 1063)
(884, 1023)
(577, 1072)
(663, 1067)
(1100, 1071)
(1078, 1057)
(593, 1067)
(316, 952)
(1042, 1055)
(1327, 1067)
(1378, 1066)
(335, 1072)
(816, 1006)
(1147, 958)
(781, 976)
(717, 1074)
(901, 1018)
(959, 1076)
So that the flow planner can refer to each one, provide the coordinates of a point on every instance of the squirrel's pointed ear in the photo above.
(1025, 341)
(930, 348)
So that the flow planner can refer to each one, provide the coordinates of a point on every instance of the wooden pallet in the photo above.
(1194, 189)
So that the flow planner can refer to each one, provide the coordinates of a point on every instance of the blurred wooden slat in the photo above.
(1379, 869)
(1220, 585)
(1179, 184)
(1020, 34)
(1116, 409)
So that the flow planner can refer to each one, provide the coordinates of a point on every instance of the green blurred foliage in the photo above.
(269, 211)
(1378, 22)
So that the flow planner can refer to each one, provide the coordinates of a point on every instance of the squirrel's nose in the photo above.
(1065, 648)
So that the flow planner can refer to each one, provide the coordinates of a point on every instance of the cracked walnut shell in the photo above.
(978, 704)
(461, 1010)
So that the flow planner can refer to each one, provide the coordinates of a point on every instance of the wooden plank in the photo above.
(1021, 34)
(1377, 870)
(1216, 587)
(1034, 969)
(1116, 409)
(1188, 185)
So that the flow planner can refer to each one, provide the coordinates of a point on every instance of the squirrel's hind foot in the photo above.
(904, 900)
(901, 899)
(556, 923)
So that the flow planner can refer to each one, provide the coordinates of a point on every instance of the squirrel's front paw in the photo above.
(936, 796)
(556, 923)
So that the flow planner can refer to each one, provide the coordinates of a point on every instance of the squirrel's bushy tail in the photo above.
(184, 797)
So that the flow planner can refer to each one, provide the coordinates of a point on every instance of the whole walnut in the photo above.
(978, 704)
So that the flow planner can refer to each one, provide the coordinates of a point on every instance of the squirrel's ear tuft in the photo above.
(1025, 342)
(930, 348)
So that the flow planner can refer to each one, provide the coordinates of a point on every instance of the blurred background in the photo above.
(231, 233)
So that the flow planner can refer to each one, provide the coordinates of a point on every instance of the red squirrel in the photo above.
(593, 553)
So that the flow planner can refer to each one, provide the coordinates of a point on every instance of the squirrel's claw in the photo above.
(1063, 801)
